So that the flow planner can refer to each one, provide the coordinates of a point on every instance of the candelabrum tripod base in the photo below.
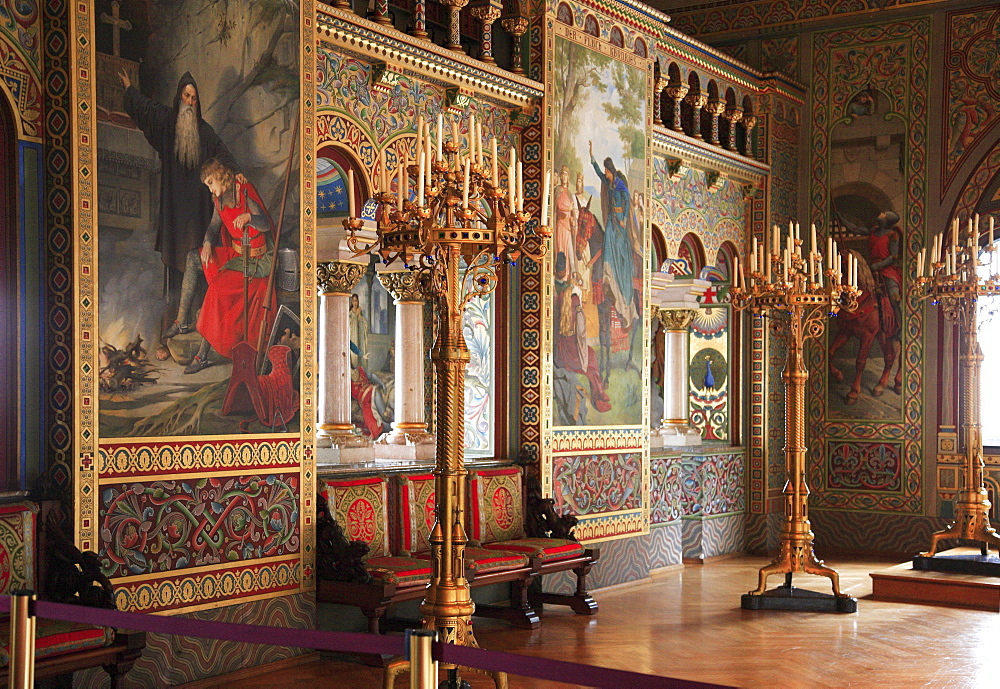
(983, 564)
(972, 524)
(791, 598)
(786, 597)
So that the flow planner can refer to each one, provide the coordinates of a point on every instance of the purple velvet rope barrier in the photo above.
(558, 670)
(226, 631)
(344, 642)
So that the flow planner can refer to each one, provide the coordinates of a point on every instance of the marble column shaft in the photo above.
(335, 281)
(675, 357)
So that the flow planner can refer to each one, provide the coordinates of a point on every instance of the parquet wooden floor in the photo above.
(688, 624)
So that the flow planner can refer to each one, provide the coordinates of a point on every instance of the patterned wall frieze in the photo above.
(59, 266)
(722, 16)
(117, 460)
(972, 94)
(20, 84)
(604, 439)
(349, 33)
(665, 489)
(893, 57)
(597, 483)
(174, 524)
(681, 205)
(694, 153)
(219, 586)
(612, 526)
(633, 22)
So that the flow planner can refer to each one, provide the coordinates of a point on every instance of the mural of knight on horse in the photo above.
(878, 317)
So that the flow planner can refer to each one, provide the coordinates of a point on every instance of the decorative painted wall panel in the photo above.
(597, 121)
(188, 335)
(856, 85)
(710, 365)
(972, 94)
(21, 65)
(665, 489)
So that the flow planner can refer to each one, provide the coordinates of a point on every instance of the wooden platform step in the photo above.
(901, 583)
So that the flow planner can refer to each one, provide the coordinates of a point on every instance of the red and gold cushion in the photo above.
(545, 549)
(402, 571)
(497, 505)
(416, 502)
(484, 560)
(55, 637)
(359, 506)
(17, 546)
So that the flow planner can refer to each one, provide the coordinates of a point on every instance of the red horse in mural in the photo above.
(872, 321)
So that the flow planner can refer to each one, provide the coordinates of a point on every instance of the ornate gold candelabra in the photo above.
(956, 277)
(799, 291)
(455, 236)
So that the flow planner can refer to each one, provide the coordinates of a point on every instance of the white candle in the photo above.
(545, 197)
(753, 256)
(767, 267)
(465, 186)
(420, 178)
(920, 263)
(511, 174)
(383, 184)
(350, 192)
(977, 226)
(493, 163)
(420, 133)
(440, 135)
(454, 132)
(854, 275)
(991, 230)
(829, 253)
(784, 266)
(520, 187)
(401, 174)
(775, 245)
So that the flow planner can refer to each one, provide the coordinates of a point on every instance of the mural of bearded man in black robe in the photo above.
(184, 141)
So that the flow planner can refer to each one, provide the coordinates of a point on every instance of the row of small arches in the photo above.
(564, 14)
(733, 114)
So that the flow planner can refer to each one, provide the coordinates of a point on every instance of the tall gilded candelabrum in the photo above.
(956, 277)
(799, 290)
(457, 232)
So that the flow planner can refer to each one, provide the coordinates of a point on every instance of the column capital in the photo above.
(338, 276)
(403, 286)
(677, 319)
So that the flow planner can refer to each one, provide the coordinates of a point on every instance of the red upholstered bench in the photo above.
(60, 647)
(482, 565)
(496, 508)
(360, 508)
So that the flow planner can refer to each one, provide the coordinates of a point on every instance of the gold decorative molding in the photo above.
(338, 277)
(403, 286)
(677, 320)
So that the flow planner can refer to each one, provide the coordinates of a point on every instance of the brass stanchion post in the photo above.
(22, 641)
(423, 667)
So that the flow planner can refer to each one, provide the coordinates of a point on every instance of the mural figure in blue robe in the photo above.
(618, 253)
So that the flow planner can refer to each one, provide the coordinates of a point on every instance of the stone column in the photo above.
(697, 101)
(749, 121)
(660, 84)
(675, 428)
(733, 116)
(677, 92)
(714, 108)
(516, 26)
(334, 429)
(487, 13)
(408, 438)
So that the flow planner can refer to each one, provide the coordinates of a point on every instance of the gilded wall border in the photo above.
(156, 458)
(259, 578)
